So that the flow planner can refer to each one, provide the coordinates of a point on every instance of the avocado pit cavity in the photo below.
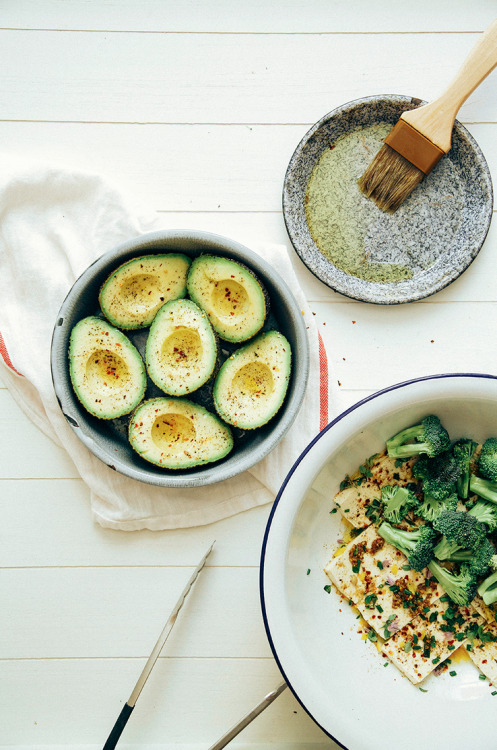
(171, 428)
(107, 369)
(183, 348)
(141, 293)
(229, 299)
(253, 380)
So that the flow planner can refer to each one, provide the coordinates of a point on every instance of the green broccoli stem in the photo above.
(461, 588)
(488, 589)
(484, 488)
(462, 484)
(446, 549)
(410, 433)
(408, 450)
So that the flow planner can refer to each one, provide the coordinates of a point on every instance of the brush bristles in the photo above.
(389, 179)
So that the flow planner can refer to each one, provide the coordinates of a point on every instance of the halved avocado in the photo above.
(107, 371)
(182, 351)
(232, 296)
(177, 434)
(251, 384)
(131, 296)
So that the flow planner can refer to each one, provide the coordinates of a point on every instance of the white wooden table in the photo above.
(196, 108)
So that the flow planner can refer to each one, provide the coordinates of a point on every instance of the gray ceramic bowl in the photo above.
(433, 236)
(107, 439)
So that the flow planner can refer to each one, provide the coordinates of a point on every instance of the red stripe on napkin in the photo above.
(5, 356)
(323, 385)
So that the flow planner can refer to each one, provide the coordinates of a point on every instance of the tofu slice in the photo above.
(382, 590)
(483, 650)
(354, 500)
(340, 570)
(489, 613)
(426, 639)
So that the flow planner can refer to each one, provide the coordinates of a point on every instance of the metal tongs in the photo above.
(128, 707)
(265, 702)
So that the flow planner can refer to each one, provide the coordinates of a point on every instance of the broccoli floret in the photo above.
(485, 513)
(429, 435)
(484, 488)
(439, 474)
(487, 463)
(463, 451)
(417, 545)
(488, 588)
(430, 509)
(460, 587)
(460, 532)
(480, 559)
(398, 501)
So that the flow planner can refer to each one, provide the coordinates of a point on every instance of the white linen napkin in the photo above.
(54, 222)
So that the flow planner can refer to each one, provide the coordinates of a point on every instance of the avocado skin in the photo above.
(171, 403)
(126, 345)
(173, 386)
(204, 259)
(111, 278)
(250, 413)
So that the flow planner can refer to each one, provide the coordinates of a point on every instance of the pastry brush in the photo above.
(422, 136)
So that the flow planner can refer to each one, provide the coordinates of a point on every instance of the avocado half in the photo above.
(251, 384)
(107, 372)
(131, 296)
(175, 433)
(181, 352)
(232, 296)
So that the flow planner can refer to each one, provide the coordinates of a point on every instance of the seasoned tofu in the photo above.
(375, 576)
(363, 490)
(343, 570)
(430, 638)
(488, 612)
(482, 650)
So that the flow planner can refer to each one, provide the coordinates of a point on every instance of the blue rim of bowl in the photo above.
(340, 281)
(299, 460)
(208, 473)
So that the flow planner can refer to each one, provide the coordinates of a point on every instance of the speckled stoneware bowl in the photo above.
(107, 439)
(433, 236)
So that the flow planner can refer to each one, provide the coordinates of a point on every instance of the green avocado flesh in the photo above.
(181, 352)
(131, 296)
(175, 433)
(107, 372)
(251, 385)
(232, 296)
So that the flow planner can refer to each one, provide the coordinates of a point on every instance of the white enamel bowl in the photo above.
(342, 681)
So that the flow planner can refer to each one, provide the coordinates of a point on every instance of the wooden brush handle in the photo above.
(436, 119)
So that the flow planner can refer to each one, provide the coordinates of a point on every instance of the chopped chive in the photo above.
(481, 677)
(453, 673)
(327, 588)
